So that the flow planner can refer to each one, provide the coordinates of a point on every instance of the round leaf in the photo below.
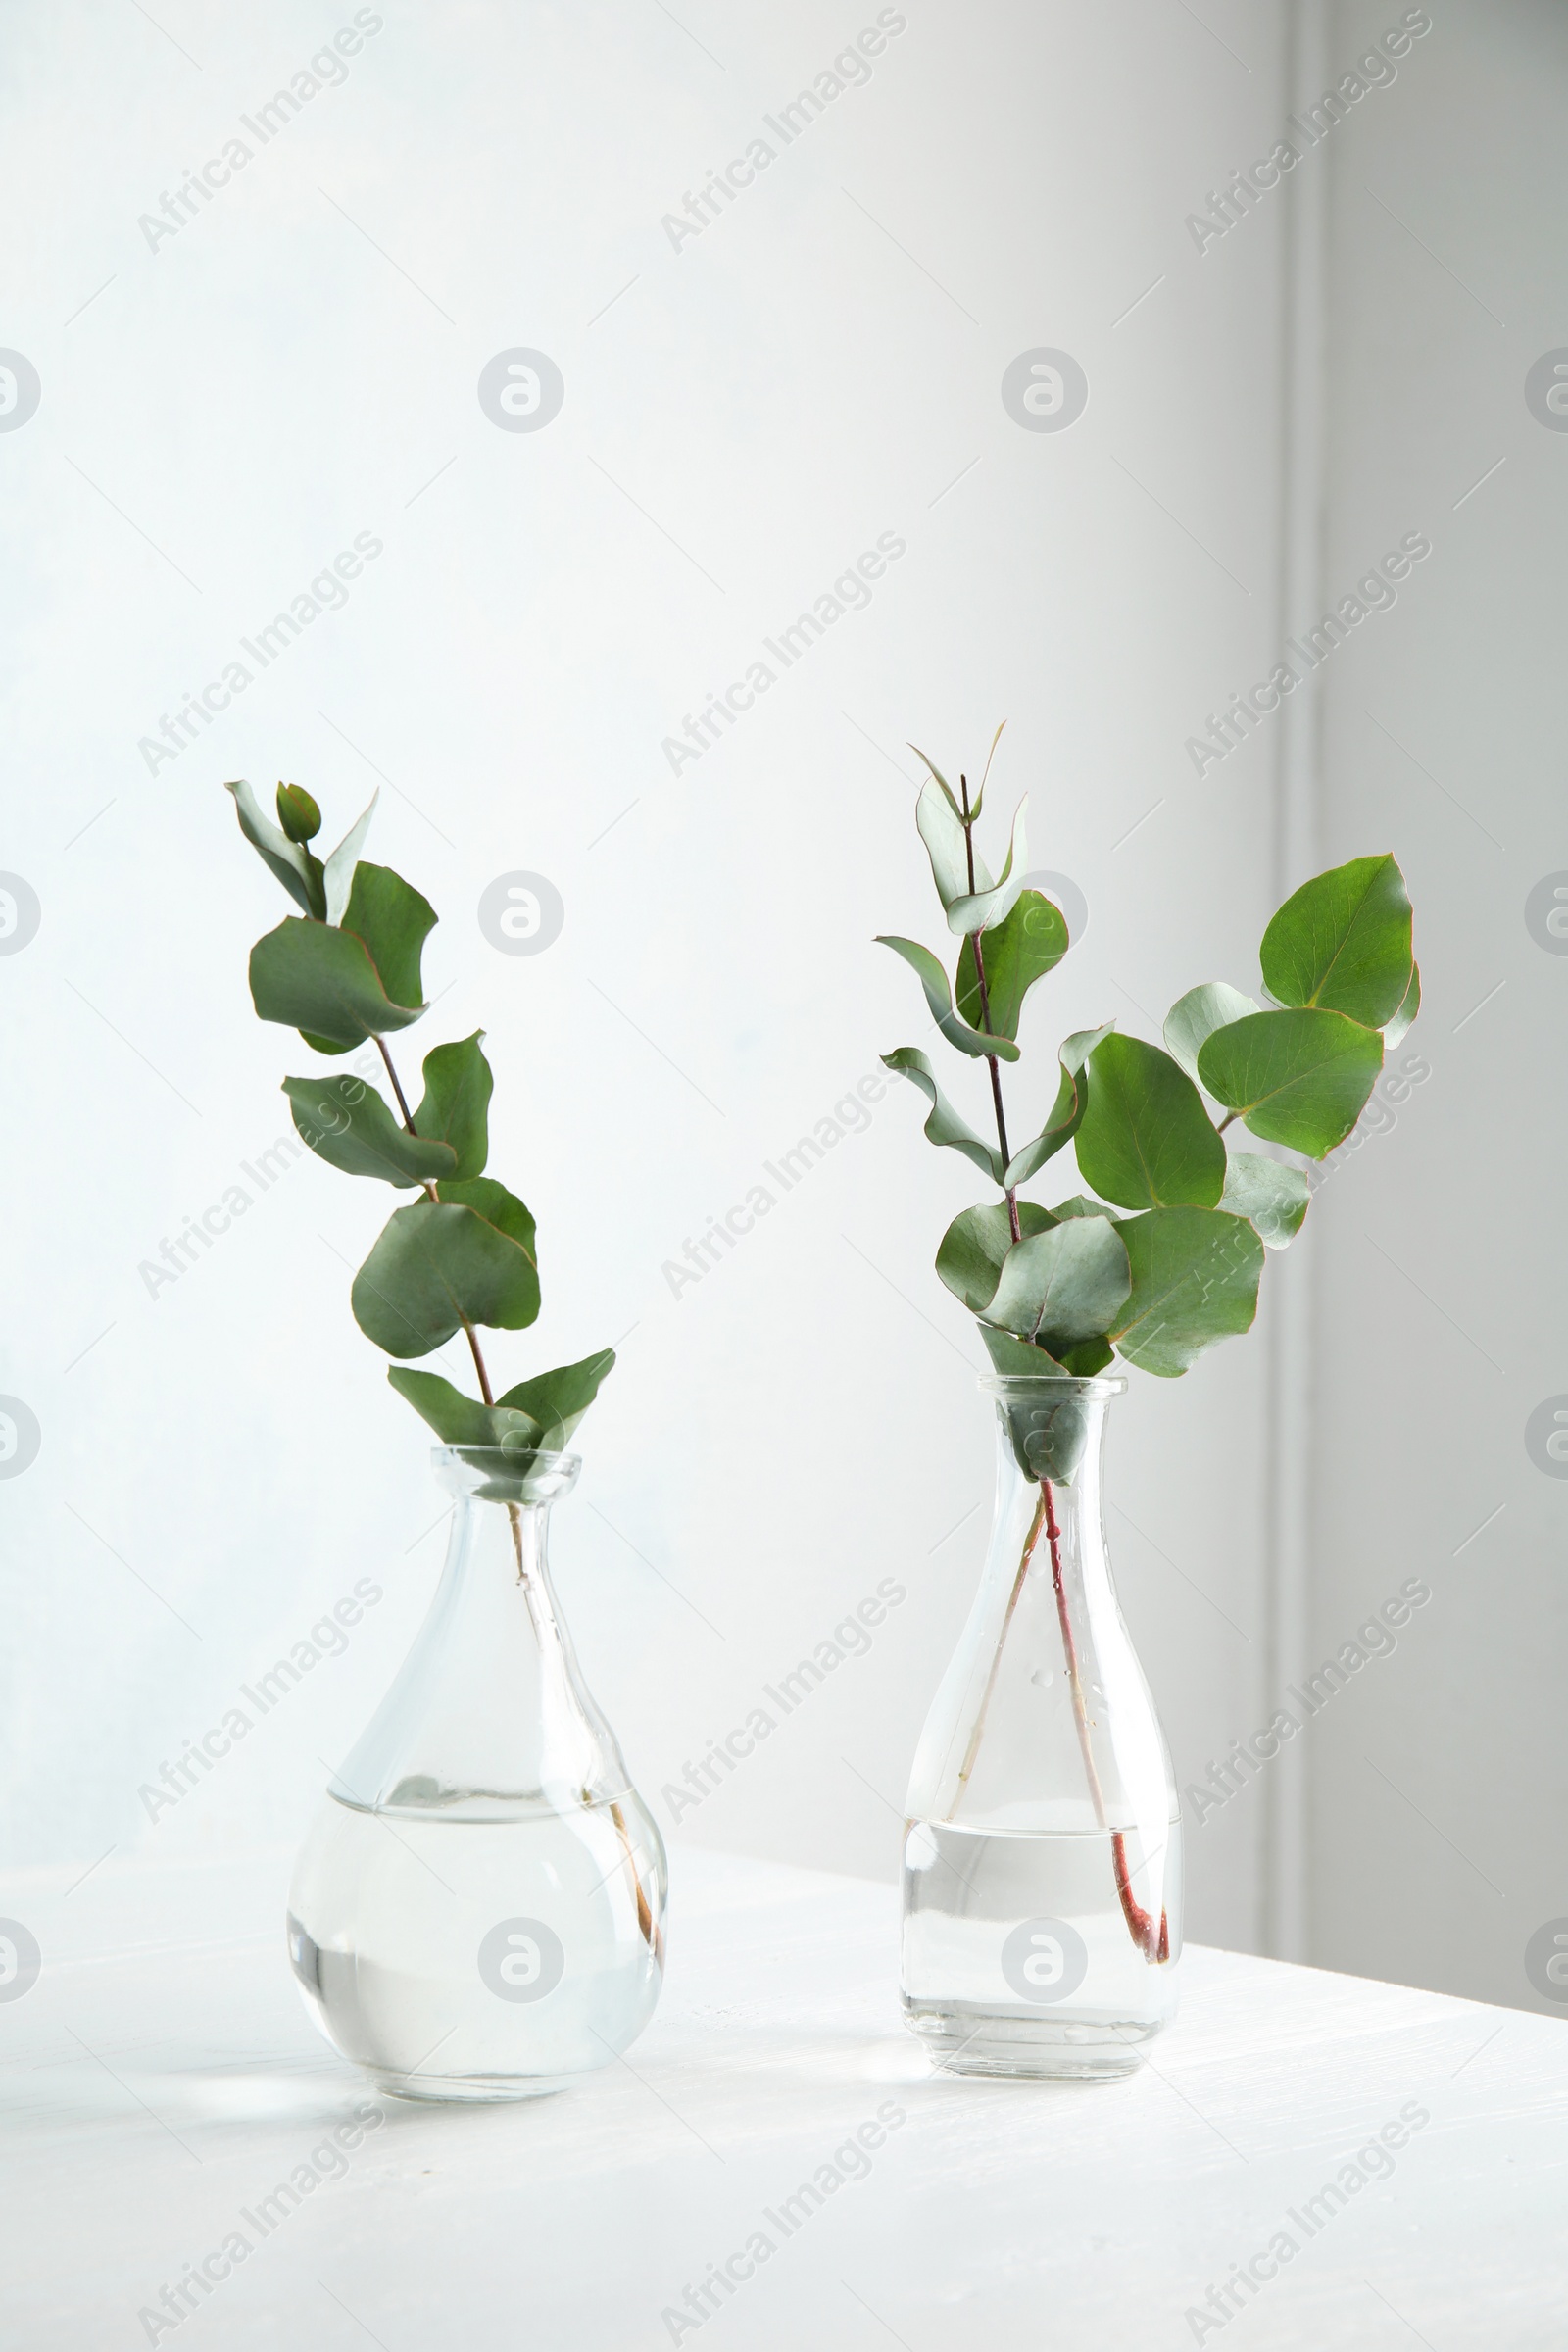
(322, 982)
(1195, 1276)
(1271, 1196)
(1146, 1140)
(969, 1260)
(1342, 943)
(435, 1266)
(1064, 1285)
(1298, 1078)
(1196, 1016)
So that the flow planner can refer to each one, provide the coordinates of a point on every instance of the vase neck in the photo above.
(489, 1716)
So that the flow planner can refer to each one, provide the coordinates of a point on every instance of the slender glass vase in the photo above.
(478, 1911)
(1042, 1860)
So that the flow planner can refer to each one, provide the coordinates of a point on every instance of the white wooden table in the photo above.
(161, 2081)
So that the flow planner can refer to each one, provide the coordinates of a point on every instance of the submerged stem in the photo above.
(1154, 1946)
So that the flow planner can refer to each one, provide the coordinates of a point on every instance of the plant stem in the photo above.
(1226, 1121)
(1030, 1541)
(647, 1924)
(1140, 1923)
(991, 1064)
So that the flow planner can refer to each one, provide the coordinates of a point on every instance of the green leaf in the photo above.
(539, 1415)
(455, 1105)
(1272, 1196)
(939, 1000)
(1146, 1140)
(435, 1265)
(1072, 1094)
(1064, 1285)
(323, 983)
(992, 904)
(557, 1400)
(393, 919)
(969, 1260)
(1300, 1077)
(459, 1420)
(1080, 1206)
(299, 873)
(348, 1124)
(944, 1126)
(1088, 1357)
(1197, 1016)
(1342, 943)
(1195, 1276)
(339, 869)
(1017, 954)
(1049, 1427)
(1395, 1026)
(499, 1207)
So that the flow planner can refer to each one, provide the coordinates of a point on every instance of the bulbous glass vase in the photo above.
(1042, 1860)
(478, 1911)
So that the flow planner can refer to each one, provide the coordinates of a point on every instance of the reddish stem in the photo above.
(1154, 1946)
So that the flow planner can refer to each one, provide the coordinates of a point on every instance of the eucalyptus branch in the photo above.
(1164, 1256)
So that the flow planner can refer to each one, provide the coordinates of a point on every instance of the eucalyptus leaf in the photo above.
(1146, 1140)
(992, 903)
(1049, 1426)
(323, 983)
(350, 1126)
(499, 1207)
(339, 870)
(1072, 1094)
(948, 792)
(394, 920)
(291, 862)
(1342, 943)
(1271, 1196)
(939, 1000)
(1197, 1016)
(1298, 1077)
(1080, 1206)
(557, 1400)
(459, 1420)
(1195, 1276)
(1399, 1023)
(944, 1126)
(1088, 1357)
(948, 843)
(456, 1103)
(969, 1260)
(436, 1266)
(1014, 954)
(1064, 1285)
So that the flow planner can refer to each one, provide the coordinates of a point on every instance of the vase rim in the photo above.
(1094, 1390)
(506, 1473)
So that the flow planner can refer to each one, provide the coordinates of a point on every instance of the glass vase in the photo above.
(1042, 1858)
(478, 1911)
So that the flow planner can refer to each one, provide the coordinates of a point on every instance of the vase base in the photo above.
(467, 2090)
(962, 2042)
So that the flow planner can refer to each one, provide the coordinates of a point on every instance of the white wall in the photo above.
(819, 367)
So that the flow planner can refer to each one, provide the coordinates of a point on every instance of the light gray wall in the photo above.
(1439, 1778)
